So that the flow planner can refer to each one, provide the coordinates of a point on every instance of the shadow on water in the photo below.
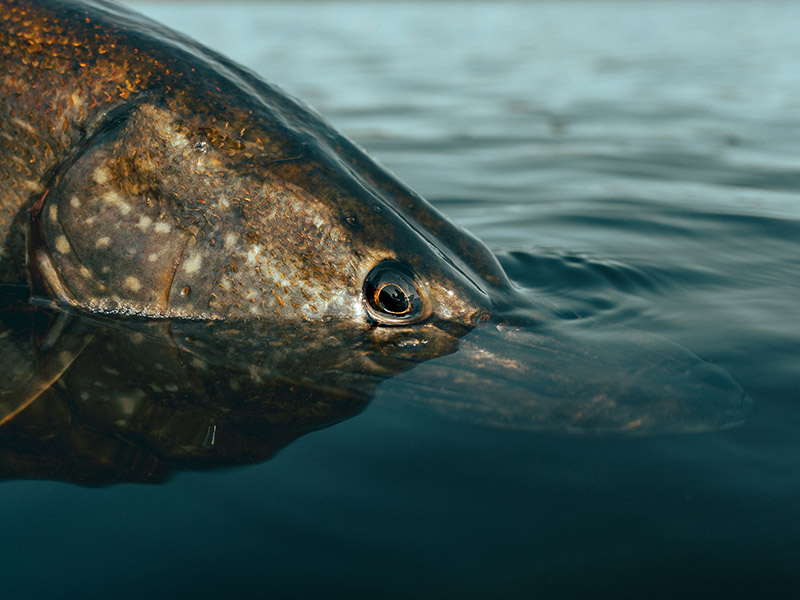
(96, 401)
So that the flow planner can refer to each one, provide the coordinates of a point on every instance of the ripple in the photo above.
(553, 271)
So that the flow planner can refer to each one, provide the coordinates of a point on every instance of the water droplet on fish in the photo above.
(411, 343)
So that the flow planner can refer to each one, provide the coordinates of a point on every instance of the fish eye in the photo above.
(392, 296)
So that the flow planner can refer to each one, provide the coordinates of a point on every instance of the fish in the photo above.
(96, 400)
(142, 174)
(145, 178)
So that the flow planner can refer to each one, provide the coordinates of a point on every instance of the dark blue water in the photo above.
(636, 163)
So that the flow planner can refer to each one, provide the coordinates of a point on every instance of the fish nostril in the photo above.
(481, 319)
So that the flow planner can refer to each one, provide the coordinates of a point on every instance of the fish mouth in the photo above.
(574, 378)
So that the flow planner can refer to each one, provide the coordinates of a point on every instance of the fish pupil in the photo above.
(393, 299)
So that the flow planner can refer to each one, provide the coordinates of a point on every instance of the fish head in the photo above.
(167, 212)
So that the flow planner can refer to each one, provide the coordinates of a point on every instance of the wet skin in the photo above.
(98, 400)
(152, 177)
(142, 175)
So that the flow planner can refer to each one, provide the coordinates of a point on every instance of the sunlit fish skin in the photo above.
(142, 174)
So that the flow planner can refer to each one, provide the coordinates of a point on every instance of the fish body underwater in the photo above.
(143, 175)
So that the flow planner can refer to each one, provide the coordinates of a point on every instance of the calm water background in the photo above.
(637, 162)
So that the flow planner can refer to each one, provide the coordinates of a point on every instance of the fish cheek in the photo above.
(195, 290)
(98, 242)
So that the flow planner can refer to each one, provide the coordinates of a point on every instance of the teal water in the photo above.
(630, 162)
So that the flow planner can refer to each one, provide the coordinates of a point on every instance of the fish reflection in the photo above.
(97, 401)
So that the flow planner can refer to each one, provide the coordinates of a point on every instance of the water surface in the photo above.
(635, 163)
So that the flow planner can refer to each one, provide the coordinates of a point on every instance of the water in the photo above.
(629, 162)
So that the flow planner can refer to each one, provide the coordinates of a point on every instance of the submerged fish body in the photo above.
(143, 175)
(98, 400)
(101, 400)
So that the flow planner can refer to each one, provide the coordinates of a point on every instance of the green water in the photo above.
(635, 163)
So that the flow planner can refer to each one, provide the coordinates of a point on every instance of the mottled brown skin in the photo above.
(141, 174)
(153, 177)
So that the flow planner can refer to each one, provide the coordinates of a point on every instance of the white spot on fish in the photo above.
(193, 264)
(230, 239)
(178, 141)
(252, 254)
(113, 197)
(162, 227)
(75, 202)
(132, 284)
(52, 213)
(103, 242)
(152, 257)
(62, 245)
(100, 175)
(127, 404)
(144, 223)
